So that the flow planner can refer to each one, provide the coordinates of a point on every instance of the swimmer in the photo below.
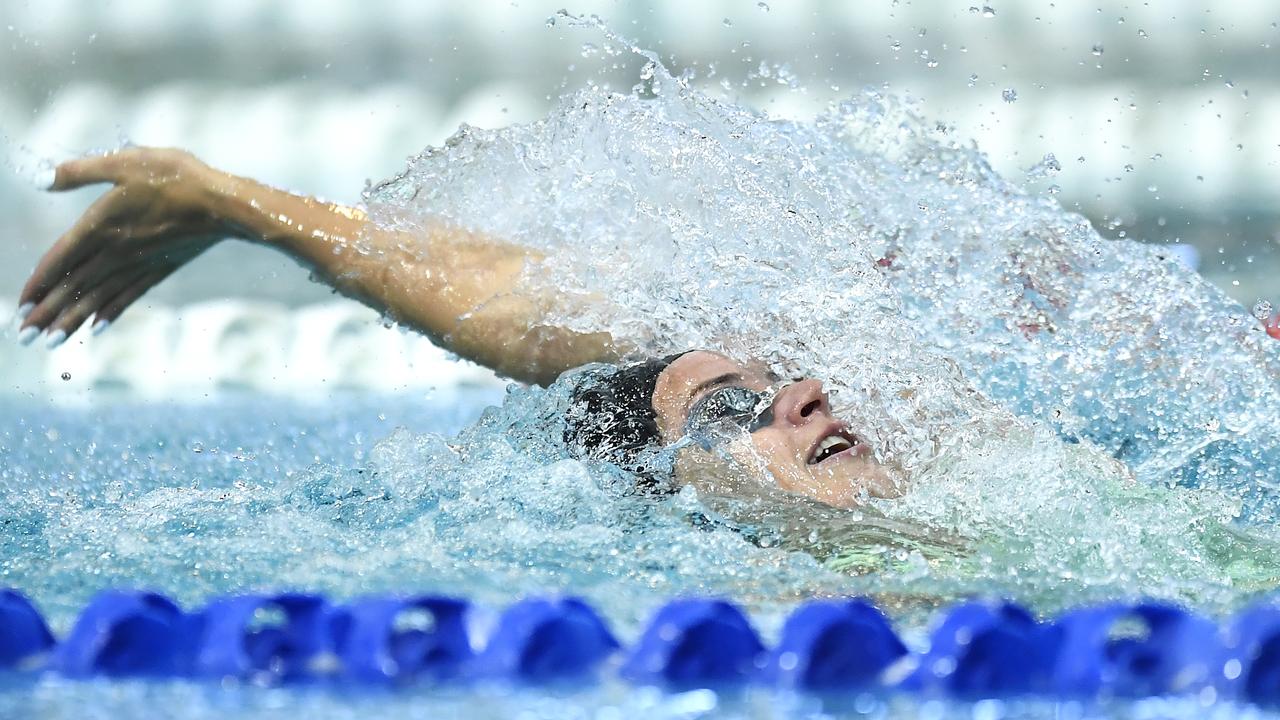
(166, 207)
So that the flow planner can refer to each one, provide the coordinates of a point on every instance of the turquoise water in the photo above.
(246, 494)
(125, 699)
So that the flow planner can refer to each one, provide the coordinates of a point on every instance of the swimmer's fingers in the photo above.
(112, 309)
(78, 310)
(81, 281)
(90, 170)
(70, 251)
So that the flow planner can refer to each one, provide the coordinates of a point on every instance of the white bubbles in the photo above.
(1262, 310)
(1038, 382)
(1009, 95)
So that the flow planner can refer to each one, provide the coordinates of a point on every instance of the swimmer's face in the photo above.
(803, 446)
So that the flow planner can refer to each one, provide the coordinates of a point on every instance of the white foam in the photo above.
(965, 324)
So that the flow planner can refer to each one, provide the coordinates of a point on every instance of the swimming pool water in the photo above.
(973, 329)
(64, 542)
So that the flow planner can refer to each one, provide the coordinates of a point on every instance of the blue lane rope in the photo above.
(975, 650)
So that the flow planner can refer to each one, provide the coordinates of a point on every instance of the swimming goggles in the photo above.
(729, 408)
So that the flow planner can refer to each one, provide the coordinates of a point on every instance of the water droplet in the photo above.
(66, 376)
(988, 11)
(896, 46)
(1047, 166)
(973, 79)
(1097, 49)
(1009, 95)
(197, 447)
(1128, 167)
(646, 72)
(932, 63)
(1053, 189)
(763, 6)
(551, 21)
(1142, 33)
(1262, 310)
(727, 22)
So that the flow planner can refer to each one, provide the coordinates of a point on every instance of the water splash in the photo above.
(1082, 418)
(1042, 384)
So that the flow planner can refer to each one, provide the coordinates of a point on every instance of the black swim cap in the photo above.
(611, 418)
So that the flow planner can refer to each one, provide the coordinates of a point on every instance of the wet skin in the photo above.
(786, 447)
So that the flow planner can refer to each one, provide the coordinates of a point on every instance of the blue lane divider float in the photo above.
(1159, 650)
(833, 645)
(387, 640)
(125, 633)
(975, 649)
(260, 637)
(694, 643)
(24, 636)
(982, 650)
(541, 640)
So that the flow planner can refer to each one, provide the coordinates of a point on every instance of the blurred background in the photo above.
(1163, 117)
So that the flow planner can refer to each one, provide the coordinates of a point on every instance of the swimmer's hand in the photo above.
(166, 207)
(154, 220)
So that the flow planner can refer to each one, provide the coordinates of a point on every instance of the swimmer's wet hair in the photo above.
(611, 418)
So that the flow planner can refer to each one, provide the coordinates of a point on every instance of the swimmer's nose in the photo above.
(800, 402)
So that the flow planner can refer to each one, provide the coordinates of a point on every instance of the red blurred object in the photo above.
(1272, 326)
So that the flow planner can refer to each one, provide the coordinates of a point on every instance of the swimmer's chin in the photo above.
(872, 481)
(843, 488)
(859, 493)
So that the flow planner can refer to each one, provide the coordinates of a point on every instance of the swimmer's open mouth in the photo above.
(835, 442)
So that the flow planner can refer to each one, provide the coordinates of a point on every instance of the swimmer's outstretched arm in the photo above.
(167, 207)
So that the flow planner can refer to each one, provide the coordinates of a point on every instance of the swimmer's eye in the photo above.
(726, 403)
(746, 408)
